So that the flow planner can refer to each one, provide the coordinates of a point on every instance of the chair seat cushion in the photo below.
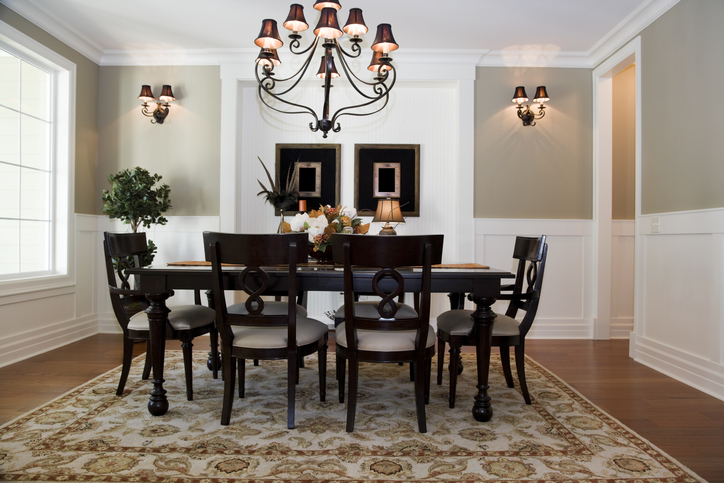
(368, 309)
(270, 308)
(308, 331)
(383, 340)
(181, 317)
(460, 322)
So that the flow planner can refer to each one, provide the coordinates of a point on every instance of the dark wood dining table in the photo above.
(483, 285)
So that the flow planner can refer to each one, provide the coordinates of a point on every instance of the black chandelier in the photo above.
(327, 32)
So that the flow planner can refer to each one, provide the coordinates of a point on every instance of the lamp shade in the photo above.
(268, 57)
(146, 95)
(355, 23)
(541, 95)
(375, 64)
(166, 94)
(328, 27)
(295, 20)
(520, 96)
(269, 35)
(322, 4)
(384, 40)
(388, 211)
(322, 72)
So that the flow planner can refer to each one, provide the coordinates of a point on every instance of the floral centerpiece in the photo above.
(322, 223)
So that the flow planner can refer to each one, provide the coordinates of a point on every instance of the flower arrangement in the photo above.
(322, 223)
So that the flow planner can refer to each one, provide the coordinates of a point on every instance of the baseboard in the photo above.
(621, 327)
(690, 369)
(35, 342)
(552, 328)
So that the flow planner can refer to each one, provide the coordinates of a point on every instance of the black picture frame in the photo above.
(383, 169)
(324, 164)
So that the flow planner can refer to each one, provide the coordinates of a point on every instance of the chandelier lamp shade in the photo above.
(274, 91)
(525, 114)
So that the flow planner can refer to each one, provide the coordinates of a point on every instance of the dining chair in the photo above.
(124, 251)
(386, 331)
(258, 329)
(455, 327)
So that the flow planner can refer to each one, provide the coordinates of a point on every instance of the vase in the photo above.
(321, 257)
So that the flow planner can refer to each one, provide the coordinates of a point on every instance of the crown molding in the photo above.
(535, 58)
(32, 12)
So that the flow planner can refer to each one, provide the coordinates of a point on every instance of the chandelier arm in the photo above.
(267, 82)
(295, 44)
(356, 49)
(306, 110)
(379, 86)
(342, 112)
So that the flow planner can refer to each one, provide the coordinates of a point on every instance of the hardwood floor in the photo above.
(684, 422)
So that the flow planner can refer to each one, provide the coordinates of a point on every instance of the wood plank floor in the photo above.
(684, 422)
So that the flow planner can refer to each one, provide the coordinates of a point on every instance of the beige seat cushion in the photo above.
(383, 340)
(368, 309)
(181, 317)
(460, 322)
(308, 331)
(270, 308)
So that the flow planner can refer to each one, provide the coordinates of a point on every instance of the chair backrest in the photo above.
(255, 252)
(124, 251)
(384, 255)
(531, 254)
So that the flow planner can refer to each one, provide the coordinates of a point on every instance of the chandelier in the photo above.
(327, 32)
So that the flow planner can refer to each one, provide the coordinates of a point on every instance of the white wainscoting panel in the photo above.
(679, 326)
(622, 278)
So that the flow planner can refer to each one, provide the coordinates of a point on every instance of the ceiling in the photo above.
(101, 27)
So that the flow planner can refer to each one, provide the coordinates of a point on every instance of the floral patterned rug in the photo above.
(90, 434)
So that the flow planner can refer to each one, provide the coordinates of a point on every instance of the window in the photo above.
(35, 158)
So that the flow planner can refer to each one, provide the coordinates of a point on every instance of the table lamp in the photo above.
(388, 211)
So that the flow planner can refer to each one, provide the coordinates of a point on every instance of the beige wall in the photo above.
(542, 171)
(184, 149)
(86, 125)
(624, 145)
(681, 62)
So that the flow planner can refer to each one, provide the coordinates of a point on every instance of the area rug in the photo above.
(90, 434)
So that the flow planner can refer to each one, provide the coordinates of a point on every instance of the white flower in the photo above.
(298, 222)
(350, 212)
(316, 226)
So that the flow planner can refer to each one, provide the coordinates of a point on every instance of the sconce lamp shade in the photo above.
(328, 27)
(520, 96)
(271, 57)
(388, 211)
(166, 94)
(355, 23)
(541, 95)
(322, 72)
(322, 4)
(295, 20)
(269, 35)
(384, 40)
(146, 95)
(376, 65)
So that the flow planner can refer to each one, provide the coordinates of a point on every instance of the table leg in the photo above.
(157, 318)
(484, 318)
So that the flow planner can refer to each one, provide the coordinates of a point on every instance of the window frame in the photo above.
(62, 149)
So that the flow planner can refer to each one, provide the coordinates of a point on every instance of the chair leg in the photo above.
(322, 357)
(520, 366)
(505, 362)
(440, 359)
(186, 346)
(341, 369)
(227, 363)
(352, 393)
(149, 362)
(454, 363)
(428, 376)
(241, 368)
(412, 372)
(420, 395)
(214, 342)
(127, 358)
(292, 373)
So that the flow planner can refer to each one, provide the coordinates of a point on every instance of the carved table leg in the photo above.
(484, 318)
(157, 317)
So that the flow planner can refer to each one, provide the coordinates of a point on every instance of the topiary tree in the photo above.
(134, 200)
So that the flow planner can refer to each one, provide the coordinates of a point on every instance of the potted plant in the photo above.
(134, 200)
(281, 198)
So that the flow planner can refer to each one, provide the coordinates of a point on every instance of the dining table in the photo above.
(481, 283)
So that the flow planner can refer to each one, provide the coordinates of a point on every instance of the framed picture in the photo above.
(317, 167)
(387, 171)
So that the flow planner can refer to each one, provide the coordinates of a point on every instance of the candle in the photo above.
(302, 205)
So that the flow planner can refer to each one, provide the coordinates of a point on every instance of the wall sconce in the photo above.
(159, 114)
(388, 210)
(528, 117)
